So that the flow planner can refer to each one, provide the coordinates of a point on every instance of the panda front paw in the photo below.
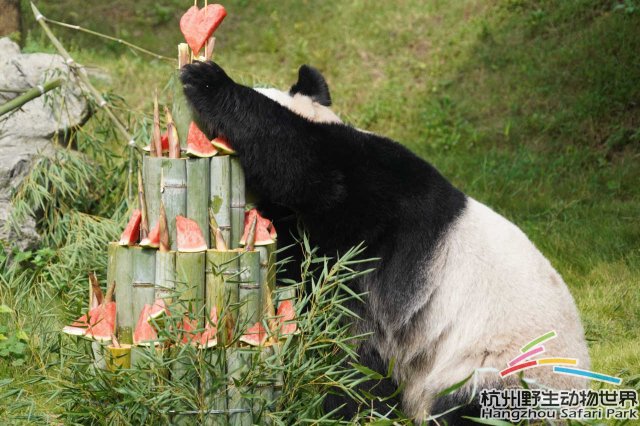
(203, 79)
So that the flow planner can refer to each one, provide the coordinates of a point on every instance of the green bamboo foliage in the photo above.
(237, 202)
(220, 196)
(264, 393)
(198, 193)
(121, 269)
(173, 187)
(222, 290)
(151, 178)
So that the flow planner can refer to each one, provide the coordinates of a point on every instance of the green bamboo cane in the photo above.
(173, 188)
(264, 393)
(165, 276)
(143, 288)
(198, 182)
(151, 180)
(120, 270)
(29, 95)
(181, 111)
(267, 276)
(237, 202)
(220, 194)
(222, 290)
(238, 366)
(215, 388)
(250, 291)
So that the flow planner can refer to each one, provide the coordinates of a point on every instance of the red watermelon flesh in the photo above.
(198, 144)
(102, 322)
(152, 240)
(188, 327)
(255, 335)
(144, 333)
(131, 233)
(286, 318)
(189, 235)
(222, 145)
(164, 139)
(209, 337)
(197, 25)
(265, 231)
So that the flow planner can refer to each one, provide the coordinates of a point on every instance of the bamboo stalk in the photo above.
(238, 365)
(151, 180)
(29, 95)
(190, 271)
(143, 287)
(222, 290)
(120, 270)
(144, 222)
(156, 146)
(173, 187)
(214, 387)
(267, 276)
(180, 110)
(165, 275)
(184, 55)
(220, 194)
(208, 48)
(250, 291)
(174, 137)
(264, 392)
(237, 202)
(198, 194)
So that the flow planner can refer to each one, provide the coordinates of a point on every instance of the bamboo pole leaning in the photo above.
(29, 95)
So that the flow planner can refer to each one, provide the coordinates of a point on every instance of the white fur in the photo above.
(301, 105)
(491, 292)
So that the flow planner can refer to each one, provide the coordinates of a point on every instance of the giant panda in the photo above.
(458, 287)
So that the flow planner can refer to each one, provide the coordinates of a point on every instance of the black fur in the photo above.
(311, 83)
(346, 187)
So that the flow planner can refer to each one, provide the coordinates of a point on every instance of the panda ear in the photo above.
(311, 83)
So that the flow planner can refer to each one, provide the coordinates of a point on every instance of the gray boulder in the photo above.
(27, 133)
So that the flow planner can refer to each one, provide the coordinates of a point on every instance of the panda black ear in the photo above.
(311, 83)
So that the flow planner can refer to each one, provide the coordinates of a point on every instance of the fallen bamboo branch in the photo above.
(29, 95)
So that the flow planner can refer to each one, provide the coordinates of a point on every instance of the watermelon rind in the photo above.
(152, 240)
(223, 146)
(189, 236)
(265, 231)
(255, 335)
(198, 144)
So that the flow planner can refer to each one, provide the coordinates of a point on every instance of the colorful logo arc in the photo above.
(560, 365)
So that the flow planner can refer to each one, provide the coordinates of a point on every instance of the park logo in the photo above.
(560, 365)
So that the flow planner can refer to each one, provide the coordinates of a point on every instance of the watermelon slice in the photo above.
(198, 144)
(144, 333)
(131, 233)
(223, 146)
(255, 335)
(188, 327)
(99, 324)
(164, 139)
(209, 337)
(197, 25)
(152, 240)
(286, 318)
(265, 231)
(190, 238)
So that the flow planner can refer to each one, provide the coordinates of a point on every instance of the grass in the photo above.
(531, 106)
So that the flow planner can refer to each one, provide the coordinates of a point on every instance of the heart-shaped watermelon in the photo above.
(197, 25)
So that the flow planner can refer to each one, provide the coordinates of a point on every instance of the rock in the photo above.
(26, 133)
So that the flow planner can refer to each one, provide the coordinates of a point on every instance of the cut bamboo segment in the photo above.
(151, 177)
(190, 285)
(198, 194)
(267, 277)
(220, 194)
(156, 142)
(214, 388)
(238, 365)
(118, 357)
(237, 202)
(165, 276)
(180, 111)
(250, 291)
(144, 221)
(222, 290)
(173, 187)
(184, 55)
(143, 286)
(121, 270)
(264, 393)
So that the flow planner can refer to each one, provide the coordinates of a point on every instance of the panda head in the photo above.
(309, 97)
